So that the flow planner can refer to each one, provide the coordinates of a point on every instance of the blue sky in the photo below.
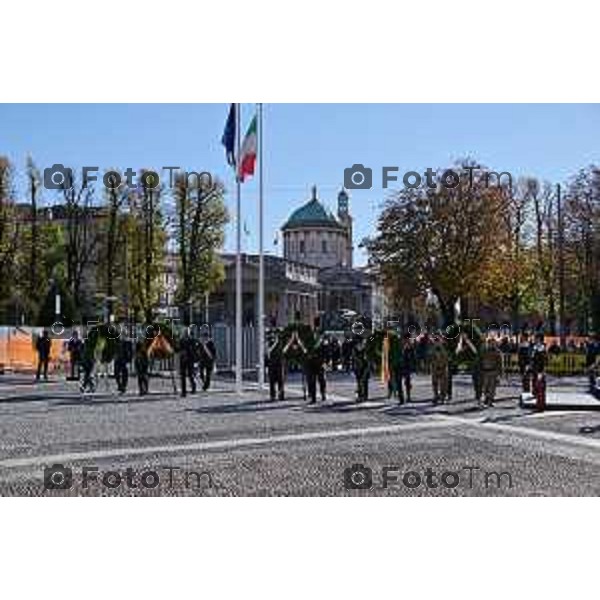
(305, 144)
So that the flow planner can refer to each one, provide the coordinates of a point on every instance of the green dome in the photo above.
(312, 214)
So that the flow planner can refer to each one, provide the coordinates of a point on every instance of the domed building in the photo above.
(314, 236)
(315, 277)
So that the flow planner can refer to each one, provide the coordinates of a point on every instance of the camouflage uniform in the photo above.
(491, 367)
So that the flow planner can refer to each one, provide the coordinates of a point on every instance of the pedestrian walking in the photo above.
(187, 358)
(43, 345)
(438, 364)
(207, 355)
(491, 369)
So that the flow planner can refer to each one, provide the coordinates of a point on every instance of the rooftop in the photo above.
(312, 214)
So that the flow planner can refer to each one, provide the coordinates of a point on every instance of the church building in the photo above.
(315, 277)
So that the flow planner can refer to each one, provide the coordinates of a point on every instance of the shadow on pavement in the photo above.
(242, 407)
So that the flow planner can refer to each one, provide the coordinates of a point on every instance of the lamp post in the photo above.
(190, 304)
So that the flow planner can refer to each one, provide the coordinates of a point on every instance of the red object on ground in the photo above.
(540, 391)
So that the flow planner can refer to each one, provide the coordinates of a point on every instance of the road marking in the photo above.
(334, 397)
(541, 434)
(29, 461)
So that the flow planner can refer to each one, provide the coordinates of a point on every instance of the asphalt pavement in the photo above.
(221, 443)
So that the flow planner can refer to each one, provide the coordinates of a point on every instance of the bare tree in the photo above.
(82, 238)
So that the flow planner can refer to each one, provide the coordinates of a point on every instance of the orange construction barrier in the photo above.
(18, 353)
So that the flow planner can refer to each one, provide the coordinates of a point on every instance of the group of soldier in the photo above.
(84, 360)
(314, 352)
(197, 357)
(487, 365)
(396, 355)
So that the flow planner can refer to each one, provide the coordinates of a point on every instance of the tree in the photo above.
(9, 236)
(81, 240)
(582, 245)
(145, 242)
(117, 197)
(543, 201)
(200, 219)
(450, 242)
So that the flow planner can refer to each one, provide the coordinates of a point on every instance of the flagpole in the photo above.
(261, 257)
(238, 259)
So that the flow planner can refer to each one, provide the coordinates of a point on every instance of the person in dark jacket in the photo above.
(123, 356)
(524, 360)
(88, 361)
(207, 354)
(407, 367)
(362, 368)
(142, 367)
(592, 354)
(43, 345)
(275, 363)
(346, 351)
(314, 368)
(75, 349)
(187, 358)
(394, 362)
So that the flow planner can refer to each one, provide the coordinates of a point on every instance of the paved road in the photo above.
(221, 443)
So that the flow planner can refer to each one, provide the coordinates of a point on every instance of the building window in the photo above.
(324, 246)
(302, 247)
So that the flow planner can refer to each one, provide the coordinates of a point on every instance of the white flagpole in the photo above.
(261, 258)
(238, 259)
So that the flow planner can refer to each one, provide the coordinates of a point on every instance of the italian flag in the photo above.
(248, 152)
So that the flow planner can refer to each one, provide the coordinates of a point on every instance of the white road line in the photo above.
(540, 434)
(334, 397)
(29, 461)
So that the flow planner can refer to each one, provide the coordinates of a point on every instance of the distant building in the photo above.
(314, 278)
(316, 236)
(291, 291)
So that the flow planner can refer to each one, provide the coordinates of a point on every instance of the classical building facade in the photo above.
(315, 236)
(315, 277)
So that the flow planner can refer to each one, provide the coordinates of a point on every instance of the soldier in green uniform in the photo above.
(305, 347)
(314, 367)
(407, 367)
(394, 360)
(491, 369)
(142, 364)
(438, 362)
